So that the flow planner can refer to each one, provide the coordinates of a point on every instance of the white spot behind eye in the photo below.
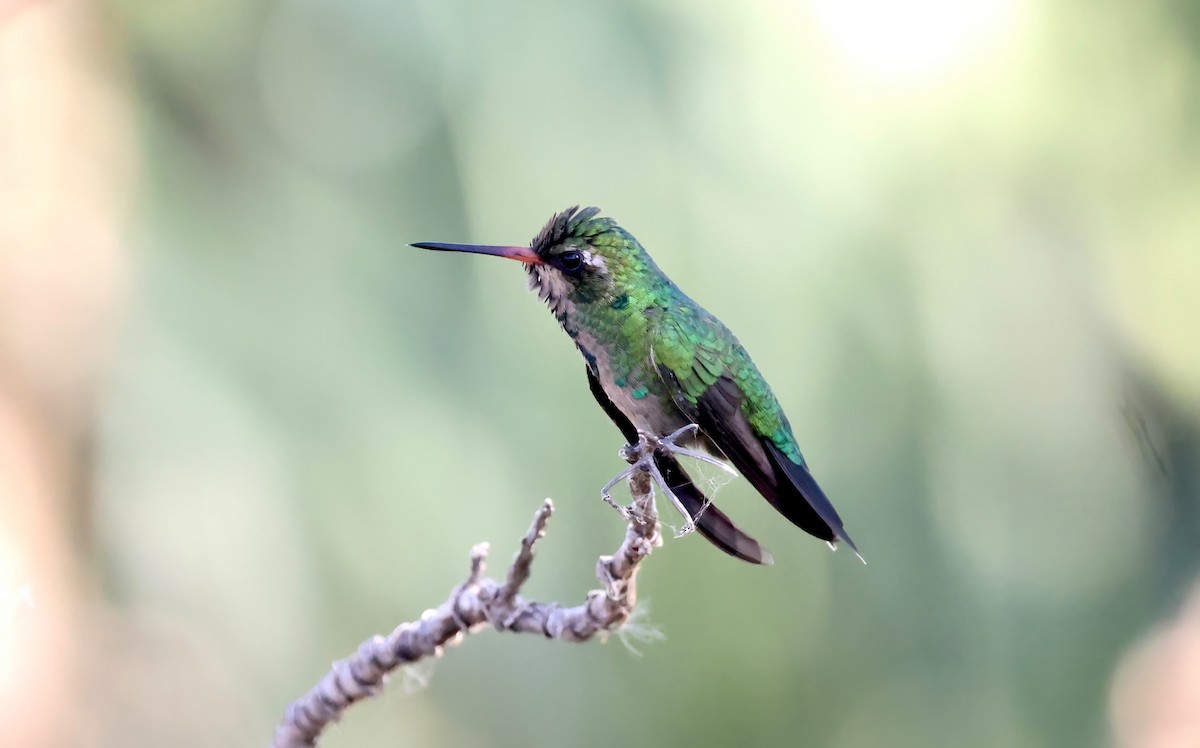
(595, 260)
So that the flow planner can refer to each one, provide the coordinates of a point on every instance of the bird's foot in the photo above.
(687, 528)
(670, 443)
(648, 445)
(640, 456)
(625, 512)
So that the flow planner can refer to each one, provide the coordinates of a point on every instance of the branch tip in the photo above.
(479, 600)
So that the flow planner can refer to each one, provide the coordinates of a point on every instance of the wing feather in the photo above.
(706, 378)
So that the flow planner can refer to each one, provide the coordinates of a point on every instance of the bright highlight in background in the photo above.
(910, 41)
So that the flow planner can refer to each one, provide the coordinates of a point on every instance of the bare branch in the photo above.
(480, 600)
(522, 564)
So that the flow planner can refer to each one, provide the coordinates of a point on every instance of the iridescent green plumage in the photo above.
(658, 361)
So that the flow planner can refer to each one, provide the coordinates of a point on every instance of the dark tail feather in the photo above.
(814, 513)
(787, 485)
(710, 521)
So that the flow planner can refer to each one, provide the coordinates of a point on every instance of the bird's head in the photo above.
(577, 260)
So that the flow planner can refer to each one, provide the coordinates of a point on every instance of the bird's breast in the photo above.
(632, 385)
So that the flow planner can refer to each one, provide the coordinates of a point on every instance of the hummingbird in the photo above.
(658, 363)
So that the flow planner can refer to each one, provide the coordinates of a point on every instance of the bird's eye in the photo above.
(571, 261)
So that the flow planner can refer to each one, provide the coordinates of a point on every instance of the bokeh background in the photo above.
(243, 426)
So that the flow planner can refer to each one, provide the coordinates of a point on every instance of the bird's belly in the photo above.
(633, 388)
(648, 413)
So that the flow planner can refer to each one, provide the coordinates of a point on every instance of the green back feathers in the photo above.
(699, 350)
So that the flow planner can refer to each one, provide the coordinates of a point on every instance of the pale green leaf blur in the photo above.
(961, 241)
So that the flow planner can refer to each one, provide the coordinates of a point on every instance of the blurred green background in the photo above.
(961, 243)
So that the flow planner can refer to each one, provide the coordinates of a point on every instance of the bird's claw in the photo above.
(606, 492)
(640, 456)
(625, 512)
(669, 443)
(675, 435)
(686, 529)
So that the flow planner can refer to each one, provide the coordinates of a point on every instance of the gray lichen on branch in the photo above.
(479, 601)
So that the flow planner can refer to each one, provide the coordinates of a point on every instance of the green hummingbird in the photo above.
(658, 363)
